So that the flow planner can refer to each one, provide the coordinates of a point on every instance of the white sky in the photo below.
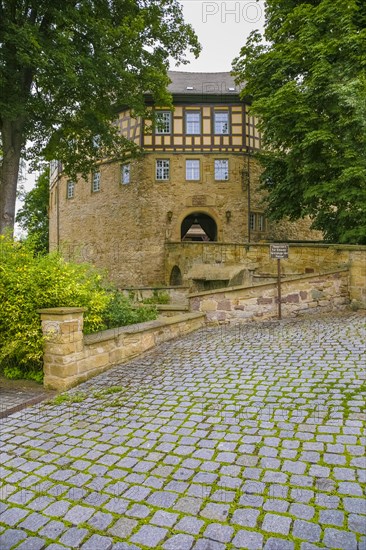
(222, 28)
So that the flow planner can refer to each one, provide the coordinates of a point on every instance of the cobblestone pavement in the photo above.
(17, 394)
(247, 436)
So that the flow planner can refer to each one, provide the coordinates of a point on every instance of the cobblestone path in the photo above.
(248, 436)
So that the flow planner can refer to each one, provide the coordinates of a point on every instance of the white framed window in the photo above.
(193, 170)
(252, 221)
(96, 182)
(125, 173)
(70, 189)
(221, 123)
(193, 122)
(221, 170)
(162, 170)
(163, 122)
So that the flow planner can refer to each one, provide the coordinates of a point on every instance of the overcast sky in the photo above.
(222, 29)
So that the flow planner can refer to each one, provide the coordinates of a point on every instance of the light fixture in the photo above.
(228, 215)
(169, 215)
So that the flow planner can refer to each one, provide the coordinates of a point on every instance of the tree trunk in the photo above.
(12, 142)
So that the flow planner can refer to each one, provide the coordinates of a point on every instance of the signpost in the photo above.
(279, 252)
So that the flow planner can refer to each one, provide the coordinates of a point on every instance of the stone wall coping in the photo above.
(311, 244)
(179, 287)
(268, 283)
(172, 307)
(140, 327)
(62, 310)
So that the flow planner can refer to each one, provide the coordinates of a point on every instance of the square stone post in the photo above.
(62, 329)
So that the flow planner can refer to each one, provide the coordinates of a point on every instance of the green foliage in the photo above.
(33, 216)
(158, 297)
(68, 398)
(120, 311)
(30, 281)
(308, 83)
(65, 69)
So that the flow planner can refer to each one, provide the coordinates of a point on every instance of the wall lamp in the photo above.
(228, 215)
(169, 215)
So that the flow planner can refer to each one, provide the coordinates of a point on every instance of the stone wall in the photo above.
(123, 228)
(71, 358)
(255, 260)
(299, 295)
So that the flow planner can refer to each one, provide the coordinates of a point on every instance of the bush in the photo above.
(29, 282)
(120, 311)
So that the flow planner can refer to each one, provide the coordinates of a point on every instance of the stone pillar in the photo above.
(62, 329)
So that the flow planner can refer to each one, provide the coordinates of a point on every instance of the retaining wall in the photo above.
(300, 294)
(71, 358)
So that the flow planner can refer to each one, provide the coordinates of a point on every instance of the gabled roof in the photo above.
(189, 83)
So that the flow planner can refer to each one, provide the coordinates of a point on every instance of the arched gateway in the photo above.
(198, 227)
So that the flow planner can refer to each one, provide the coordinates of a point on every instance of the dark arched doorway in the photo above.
(175, 277)
(198, 227)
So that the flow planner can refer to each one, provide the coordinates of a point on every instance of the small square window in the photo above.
(70, 189)
(221, 170)
(163, 122)
(192, 170)
(96, 182)
(193, 122)
(221, 123)
(162, 170)
(125, 173)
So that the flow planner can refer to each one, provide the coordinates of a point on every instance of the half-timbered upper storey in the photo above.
(207, 115)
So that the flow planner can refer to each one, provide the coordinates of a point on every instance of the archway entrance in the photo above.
(198, 227)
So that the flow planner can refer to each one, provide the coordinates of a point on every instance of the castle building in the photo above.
(197, 181)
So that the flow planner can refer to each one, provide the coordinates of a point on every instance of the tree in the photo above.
(33, 216)
(307, 81)
(65, 68)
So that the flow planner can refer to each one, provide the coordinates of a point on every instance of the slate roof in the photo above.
(202, 83)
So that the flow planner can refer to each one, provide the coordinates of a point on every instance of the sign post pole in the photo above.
(279, 287)
(279, 252)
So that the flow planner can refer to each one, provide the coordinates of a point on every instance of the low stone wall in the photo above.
(307, 292)
(255, 260)
(71, 358)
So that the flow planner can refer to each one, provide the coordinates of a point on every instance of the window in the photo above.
(125, 173)
(221, 123)
(96, 182)
(193, 122)
(192, 170)
(162, 169)
(164, 122)
(221, 170)
(257, 221)
(261, 222)
(70, 189)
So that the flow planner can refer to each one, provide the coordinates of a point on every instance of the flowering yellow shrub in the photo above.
(29, 282)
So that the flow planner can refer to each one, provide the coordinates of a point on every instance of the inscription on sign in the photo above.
(279, 251)
(199, 200)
